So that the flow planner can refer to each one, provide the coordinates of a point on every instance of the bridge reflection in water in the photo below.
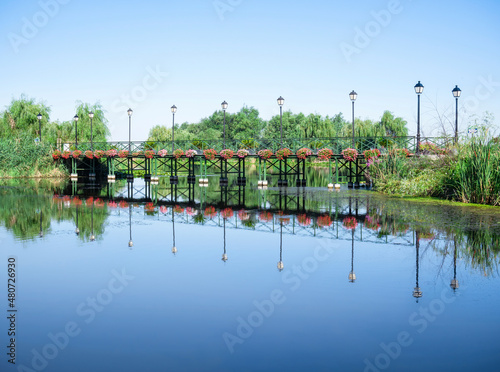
(337, 215)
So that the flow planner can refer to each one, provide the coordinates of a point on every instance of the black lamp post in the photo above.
(456, 93)
(129, 112)
(75, 118)
(353, 95)
(174, 248)
(224, 255)
(91, 116)
(281, 102)
(281, 265)
(174, 110)
(224, 108)
(419, 88)
(39, 117)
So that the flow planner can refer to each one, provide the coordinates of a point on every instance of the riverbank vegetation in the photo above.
(468, 173)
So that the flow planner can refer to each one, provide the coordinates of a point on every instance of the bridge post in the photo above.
(223, 181)
(350, 183)
(356, 185)
(191, 175)
(147, 169)
(130, 169)
(242, 181)
(174, 180)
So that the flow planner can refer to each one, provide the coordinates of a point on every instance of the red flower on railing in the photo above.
(89, 154)
(99, 203)
(89, 201)
(371, 154)
(325, 154)
(324, 221)
(163, 209)
(350, 154)
(123, 153)
(242, 153)
(56, 155)
(76, 154)
(99, 154)
(350, 223)
(111, 153)
(303, 153)
(190, 211)
(190, 153)
(76, 201)
(66, 154)
(112, 204)
(283, 153)
(162, 153)
(209, 154)
(178, 153)
(265, 154)
(149, 154)
(227, 154)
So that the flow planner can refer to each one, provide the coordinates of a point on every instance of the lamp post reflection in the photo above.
(454, 281)
(92, 236)
(417, 293)
(77, 229)
(352, 275)
(41, 228)
(280, 263)
(224, 255)
(130, 242)
(174, 248)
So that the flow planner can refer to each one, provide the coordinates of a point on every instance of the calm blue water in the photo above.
(101, 305)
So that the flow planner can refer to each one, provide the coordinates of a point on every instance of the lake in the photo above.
(139, 277)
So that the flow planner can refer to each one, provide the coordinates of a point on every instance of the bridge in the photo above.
(150, 159)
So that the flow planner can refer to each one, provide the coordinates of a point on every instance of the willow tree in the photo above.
(20, 118)
(100, 130)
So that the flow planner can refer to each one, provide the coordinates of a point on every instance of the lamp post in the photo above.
(174, 110)
(75, 118)
(281, 102)
(39, 117)
(456, 93)
(353, 95)
(224, 255)
(224, 108)
(174, 248)
(129, 112)
(91, 116)
(419, 88)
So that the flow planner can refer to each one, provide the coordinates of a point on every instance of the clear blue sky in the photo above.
(249, 52)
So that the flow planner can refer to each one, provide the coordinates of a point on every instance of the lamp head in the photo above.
(419, 88)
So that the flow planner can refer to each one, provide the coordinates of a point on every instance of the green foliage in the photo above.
(100, 129)
(20, 118)
(23, 157)
(475, 177)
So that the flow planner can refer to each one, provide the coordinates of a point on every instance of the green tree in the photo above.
(20, 118)
(100, 130)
